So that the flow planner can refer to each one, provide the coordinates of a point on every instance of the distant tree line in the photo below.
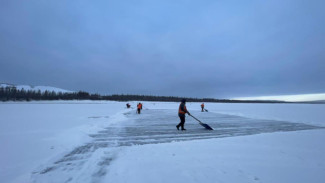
(14, 94)
(10, 93)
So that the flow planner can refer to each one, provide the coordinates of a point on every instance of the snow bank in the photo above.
(32, 133)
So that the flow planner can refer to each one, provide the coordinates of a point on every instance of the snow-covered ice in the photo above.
(276, 157)
(97, 141)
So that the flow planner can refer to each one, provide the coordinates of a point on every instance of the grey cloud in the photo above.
(220, 49)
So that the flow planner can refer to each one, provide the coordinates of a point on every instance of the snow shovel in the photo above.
(206, 110)
(206, 126)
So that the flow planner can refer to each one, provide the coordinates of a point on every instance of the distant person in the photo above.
(139, 107)
(181, 113)
(202, 107)
(128, 105)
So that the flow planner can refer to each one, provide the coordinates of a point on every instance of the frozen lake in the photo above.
(100, 141)
(158, 126)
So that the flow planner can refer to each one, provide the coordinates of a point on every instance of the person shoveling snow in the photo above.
(181, 113)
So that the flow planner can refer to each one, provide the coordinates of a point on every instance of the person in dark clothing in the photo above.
(181, 113)
(128, 105)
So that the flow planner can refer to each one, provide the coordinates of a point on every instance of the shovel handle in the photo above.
(195, 118)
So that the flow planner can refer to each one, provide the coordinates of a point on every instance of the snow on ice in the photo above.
(91, 141)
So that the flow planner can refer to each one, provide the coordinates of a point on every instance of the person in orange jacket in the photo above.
(139, 107)
(202, 107)
(181, 113)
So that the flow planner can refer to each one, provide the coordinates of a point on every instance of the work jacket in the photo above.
(182, 110)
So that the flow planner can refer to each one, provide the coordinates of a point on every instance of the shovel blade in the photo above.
(206, 126)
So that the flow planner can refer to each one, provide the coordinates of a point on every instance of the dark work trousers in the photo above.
(139, 110)
(181, 124)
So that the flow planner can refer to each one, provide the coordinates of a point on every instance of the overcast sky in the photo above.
(221, 49)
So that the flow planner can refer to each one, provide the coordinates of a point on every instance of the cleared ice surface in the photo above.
(90, 162)
(158, 126)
